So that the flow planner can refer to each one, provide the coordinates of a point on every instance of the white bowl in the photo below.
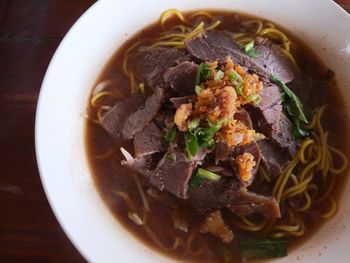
(64, 96)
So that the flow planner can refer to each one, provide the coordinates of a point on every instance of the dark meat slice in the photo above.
(149, 140)
(243, 116)
(210, 196)
(114, 120)
(265, 120)
(274, 60)
(218, 45)
(283, 136)
(143, 165)
(178, 101)
(245, 203)
(140, 118)
(173, 173)
(270, 96)
(182, 78)
(222, 152)
(273, 159)
(150, 63)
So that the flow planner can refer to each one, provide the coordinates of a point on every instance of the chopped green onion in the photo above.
(239, 89)
(249, 46)
(255, 98)
(198, 89)
(171, 157)
(263, 248)
(232, 76)
(219, 75)
(203, 71)
(205, 174)
(170, 135)
(192, 124)
(191, 144)
(251, 51)
(195, 181)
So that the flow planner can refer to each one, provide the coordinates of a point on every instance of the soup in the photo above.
(216, 136)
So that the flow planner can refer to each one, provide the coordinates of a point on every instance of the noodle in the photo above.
(297, 180)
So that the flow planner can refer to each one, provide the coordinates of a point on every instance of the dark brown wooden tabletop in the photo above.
(30, 31)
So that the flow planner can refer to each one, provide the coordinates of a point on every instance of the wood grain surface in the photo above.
(30, 31)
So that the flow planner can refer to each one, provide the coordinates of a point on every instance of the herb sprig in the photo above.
(293, 107)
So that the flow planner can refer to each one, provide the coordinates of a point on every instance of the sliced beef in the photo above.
(143, 165)
(274, 60)
(182, 78)
(222, 152)
(273, 159)
(265, 120)
(149, 140)
(114, 120)
(270, 96)
(210, 196)
(245, 203)
(218, 45)
(140, 118)
(150, 63)
(243, 116)
(178, 101)
(283, 136)
(173, 173)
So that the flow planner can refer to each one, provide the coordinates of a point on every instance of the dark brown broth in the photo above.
(110, 176)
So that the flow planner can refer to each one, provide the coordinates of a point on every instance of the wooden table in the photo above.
(30, 31)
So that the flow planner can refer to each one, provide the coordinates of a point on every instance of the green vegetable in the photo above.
(232, 76)
(293, 106)
(205, 174)
(191, 144)
(251, 51)
(219, 75)
(239, 89)
(263, 248)
(171, 157)
(255, 98)
(192, 124)
(203, 71)
(170, 135)
(195, 181)
(198, 89)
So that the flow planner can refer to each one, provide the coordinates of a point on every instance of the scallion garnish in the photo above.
(263, 248)
(219, 75)
(202, 71)
(170, 135)
(255, 98)
(191, 144)
(192, 124)
(232, 76)
(205, 174)
(198, 89)
(250, 50)
(239, 89)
